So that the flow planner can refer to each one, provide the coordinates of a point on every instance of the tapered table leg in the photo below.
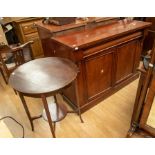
(26, 110)
(48, 114)
(78, 104)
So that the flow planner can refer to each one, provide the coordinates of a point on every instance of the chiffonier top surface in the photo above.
(87, 36)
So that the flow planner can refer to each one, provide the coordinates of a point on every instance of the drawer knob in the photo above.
(102, 71)
(34, 26)
(25, 27)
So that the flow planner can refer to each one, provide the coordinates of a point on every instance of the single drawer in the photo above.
(28, 28)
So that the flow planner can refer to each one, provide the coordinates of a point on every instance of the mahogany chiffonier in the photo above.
(107, 56)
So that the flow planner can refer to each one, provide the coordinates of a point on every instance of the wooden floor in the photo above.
(110, 118)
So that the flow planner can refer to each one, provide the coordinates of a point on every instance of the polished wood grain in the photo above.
(98, 74)
(144, 98)
(42, 78)
(79, 23)
(128, 52)
(44, 75)
(142, 123)
(91, 36)
(110, 118)
(107, 57)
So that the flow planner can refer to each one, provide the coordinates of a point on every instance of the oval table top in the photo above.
(44, 75)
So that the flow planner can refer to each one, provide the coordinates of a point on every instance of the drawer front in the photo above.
(28, 28)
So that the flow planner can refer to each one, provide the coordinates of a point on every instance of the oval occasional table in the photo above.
(42, 78)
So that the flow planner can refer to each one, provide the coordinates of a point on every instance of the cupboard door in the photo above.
(36, 46)
(125, 57)
(98, 74)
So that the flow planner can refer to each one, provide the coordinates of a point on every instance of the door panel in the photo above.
(125, 57)
(98, 74)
